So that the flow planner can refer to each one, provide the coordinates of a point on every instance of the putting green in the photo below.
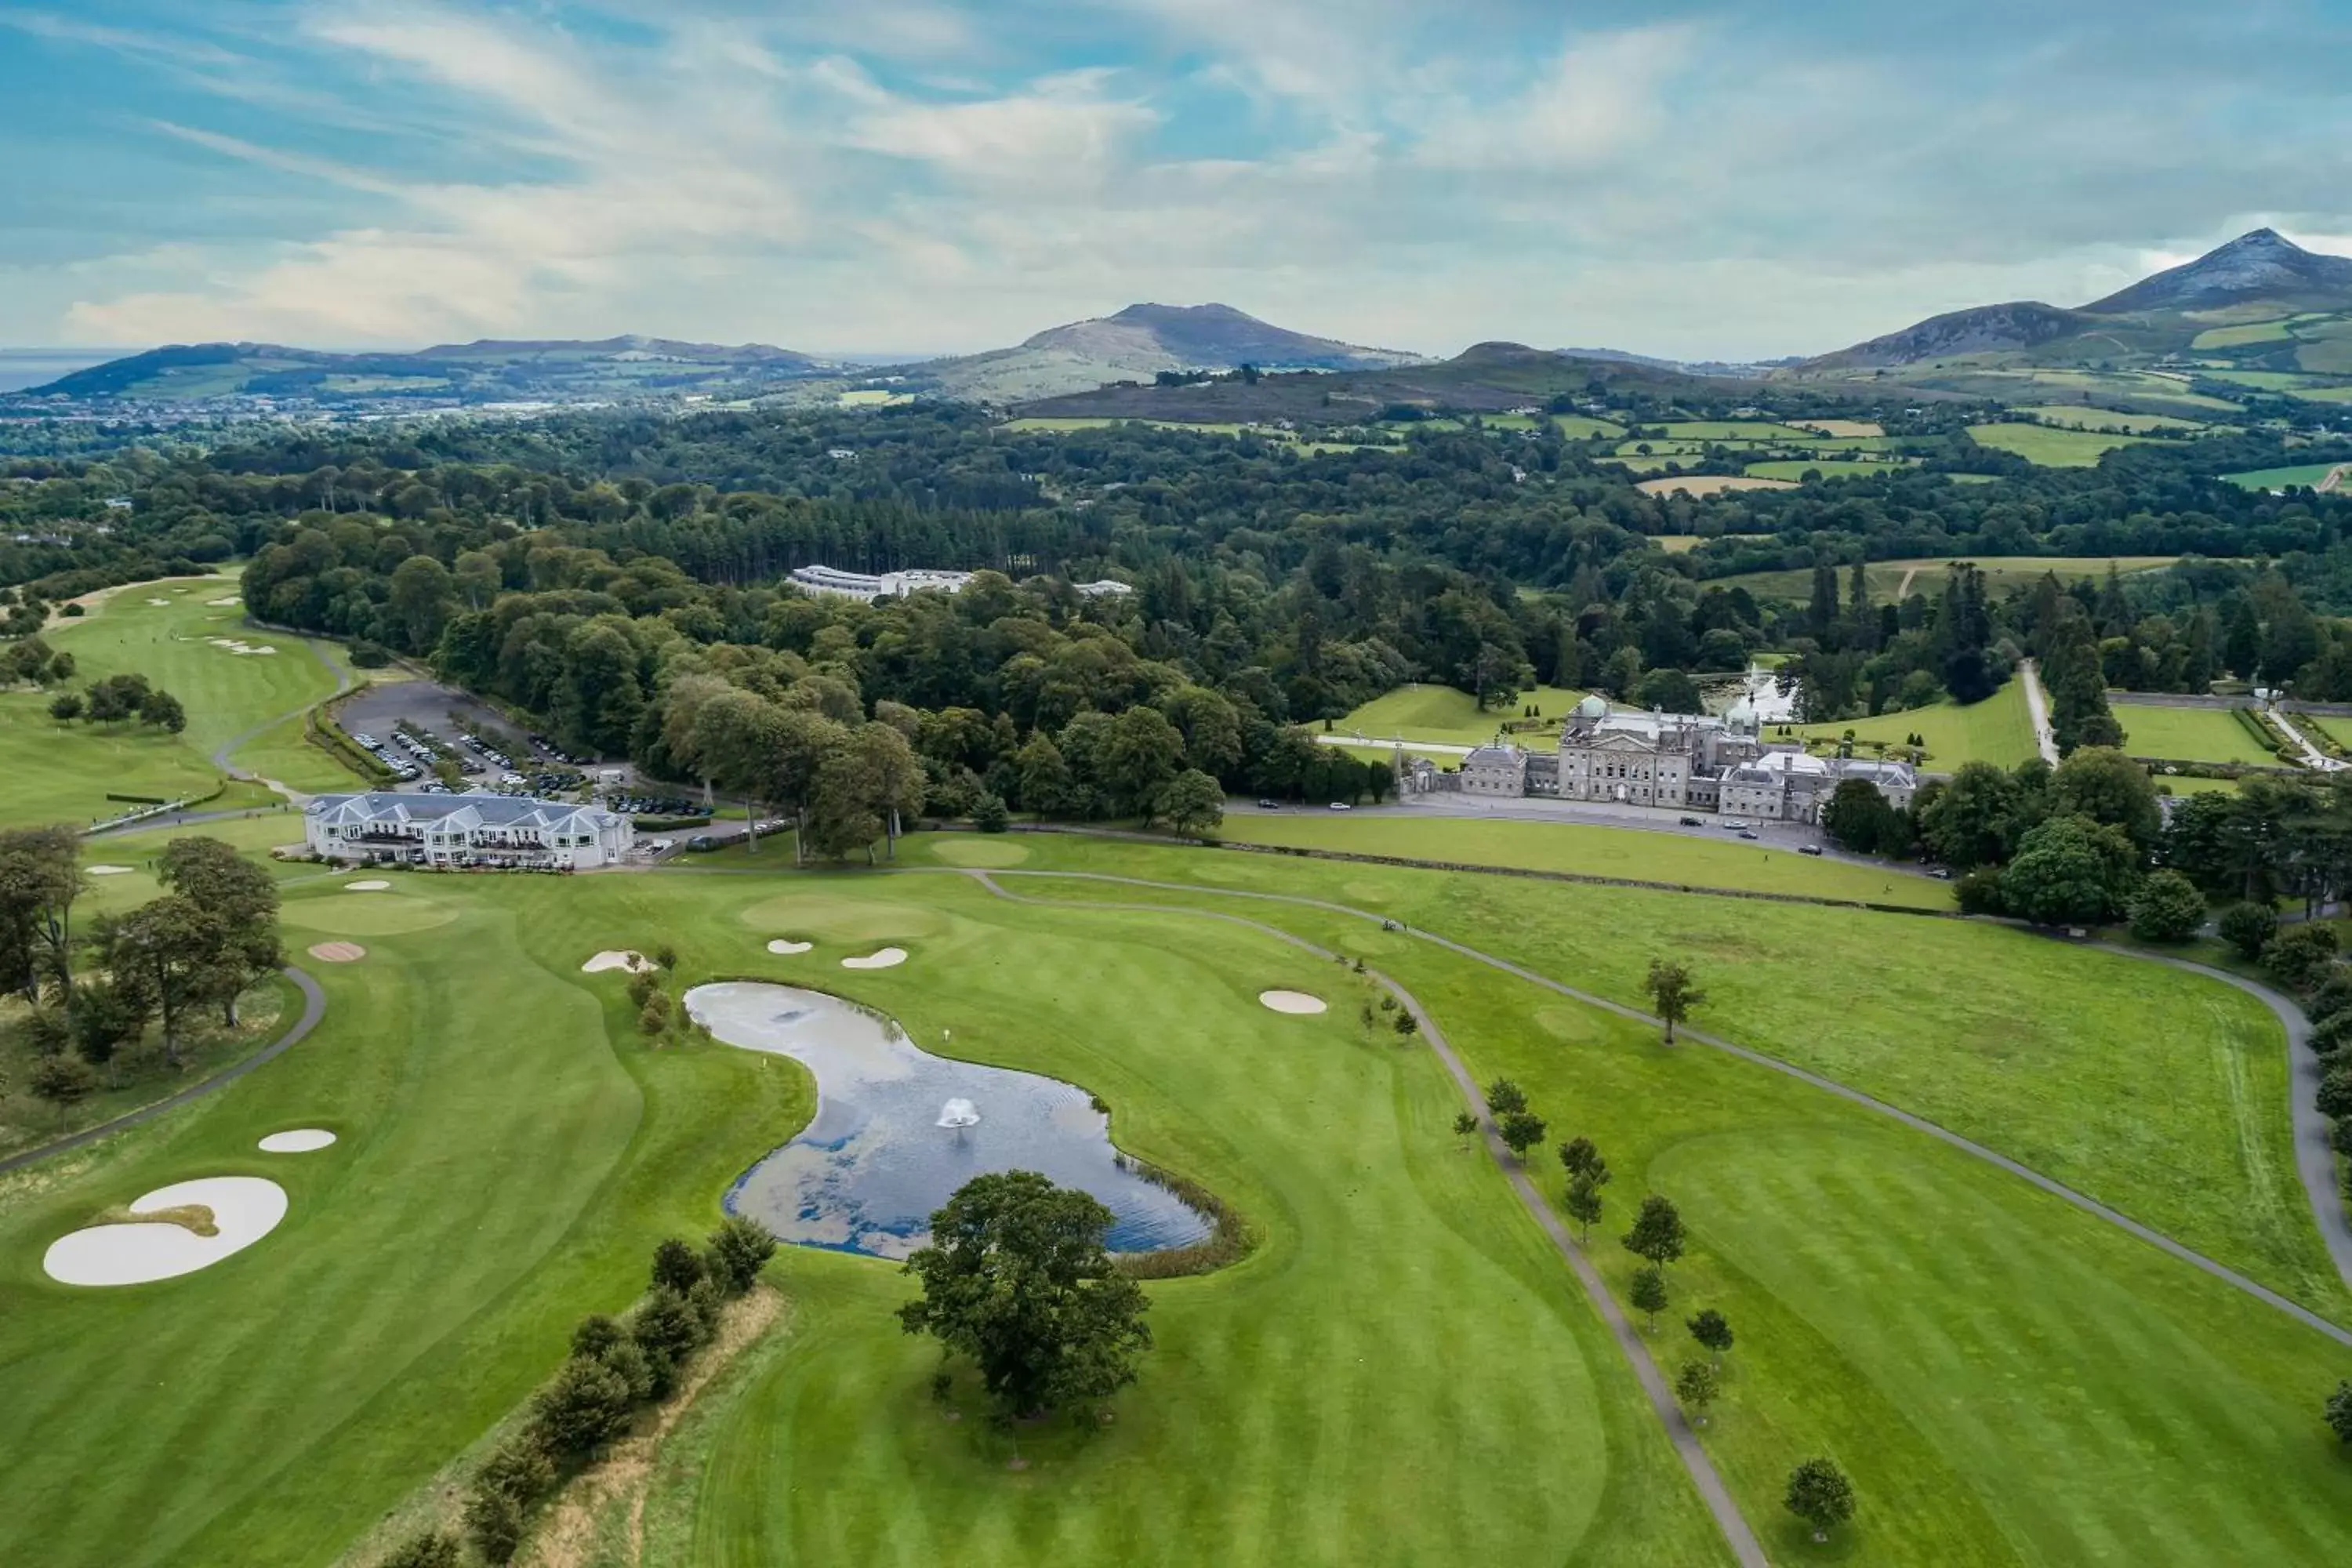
(365, 914)
(830, 918)
(973, 851)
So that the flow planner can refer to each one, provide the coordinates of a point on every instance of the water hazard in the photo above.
(869, 1170)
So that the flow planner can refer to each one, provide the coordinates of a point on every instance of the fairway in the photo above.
(1448, 716)
(1585, 849)
(1997, 729)
(63, 772)
(2188, 735)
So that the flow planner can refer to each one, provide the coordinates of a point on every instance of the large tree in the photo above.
(40, 879)
(1672, 991)
(242, 899)
(1017, 1278)
(1193, 803)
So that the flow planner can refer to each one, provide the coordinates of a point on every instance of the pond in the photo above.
(876, 1161)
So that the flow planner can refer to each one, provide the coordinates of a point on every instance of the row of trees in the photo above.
(120, 698)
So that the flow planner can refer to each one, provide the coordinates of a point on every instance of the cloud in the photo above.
(1599, 98)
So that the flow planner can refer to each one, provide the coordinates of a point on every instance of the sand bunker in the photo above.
(109, 870)
(1292, 1001)
(239, 646)
(634, 962)
(244, 1209)
(889, 958)
(158, 601)
(339, 953)
(218, 604)
(372, 885)
(781, 946)
(297, 1140)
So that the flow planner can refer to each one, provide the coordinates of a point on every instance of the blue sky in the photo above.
(933, 175)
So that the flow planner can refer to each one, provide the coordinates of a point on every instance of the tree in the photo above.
(1974, 819)
(1585, 1205)
(1820, 1494)
(677, 1265)
(738, 1250)
(1711, 1329)
(1140, 753)
(242, 899)
(1671, 993)
(988, 814)
(1017, 1278)
(1857, 817)
(1465, 1124)
(40, 880)
(2301, 955)
(1503, 1097)
(66, 707)
(1649, 1296)
(163, 711)
(585, 1406)
(2168, 907)
(1521, 1130)
(2070, 871)
(2248, 927)
(1695, 1386)
(1193, 803)
(427, 1549)
(1578, 1157)
(65, 1080)
(2340, 1412)
(2108, 787)
(1657, 1234)
(494, 1520)
(2335, 1092)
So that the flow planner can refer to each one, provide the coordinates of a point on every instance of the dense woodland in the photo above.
(610, 573)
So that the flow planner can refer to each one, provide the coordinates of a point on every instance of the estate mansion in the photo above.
(1684, 763)
(480, 829)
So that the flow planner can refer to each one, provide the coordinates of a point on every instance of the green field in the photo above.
(1586, 426)
(2187, 734)
(63, 772)
(1828, 468)
(2234, 337)
(2081, 416)
(2311, 475)
(2048, 447)
(1888, 582)
(1735, 430)
(1591, 850)
(1444, 715)
(1997, 729)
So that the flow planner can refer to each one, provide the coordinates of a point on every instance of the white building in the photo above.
(509, 832)
(872, 585)
(1105, 588)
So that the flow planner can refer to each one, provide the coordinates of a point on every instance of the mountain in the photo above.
(2258, 276)
(2265, 265)
(1486, 378)
(462, 373)
(1136, 344)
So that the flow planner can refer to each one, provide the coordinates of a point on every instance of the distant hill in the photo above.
(2265, 265)
(1136, 344)
(476, 373)
(1486, 378)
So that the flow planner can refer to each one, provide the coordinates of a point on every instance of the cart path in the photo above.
(2045, 739)
(220, 758)
(314, 1007)
(2057, 1189)
(1704, 1476)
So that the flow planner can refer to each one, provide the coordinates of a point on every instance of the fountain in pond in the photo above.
(870, 1168)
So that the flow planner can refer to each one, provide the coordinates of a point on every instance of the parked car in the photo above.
(1737, 824)
(1688, 822)
(1941, 873)
(1341, 805)
(1266, 805)
(1748, 835)
(1808, 848)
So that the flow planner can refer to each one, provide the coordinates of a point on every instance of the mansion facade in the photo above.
(1680, 761)
(477, 829)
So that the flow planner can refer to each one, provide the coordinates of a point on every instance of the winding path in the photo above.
(2037, 706)
(221, 753)
(2089, 1205)
(1687, 1448)
(314, 1007)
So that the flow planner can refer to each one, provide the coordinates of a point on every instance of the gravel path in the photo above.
(2157, 1238)
(2036, 704)
(314, 1007)
(1703, 1473)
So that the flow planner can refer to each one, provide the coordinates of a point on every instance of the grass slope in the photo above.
(1592, 850)
(1443, 714)
(63, 772)
(1997, 729)
(2187, 734)
(2007, 1380)
(2049, 448)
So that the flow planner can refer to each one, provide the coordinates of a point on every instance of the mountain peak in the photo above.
(2262, 264)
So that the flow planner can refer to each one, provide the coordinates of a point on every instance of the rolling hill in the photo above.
(476, 372)
(1138, 343)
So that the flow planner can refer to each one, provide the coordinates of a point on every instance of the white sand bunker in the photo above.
(339, 953)
(158, 601)
(244, 1209)
(634, 962)
(239, 646)
(1292, 1001)
(372, 885)
(889, 958)
(297, 1140)
(781, 946)
(218, 604)
(109, 870)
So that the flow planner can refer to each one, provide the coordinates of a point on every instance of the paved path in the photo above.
(2314, 1151)
(2089, 1205)
(221, 754)
(2312, 757)
(1703, 1473)
(2045, 739)
(1434, 748)
(314, 1007)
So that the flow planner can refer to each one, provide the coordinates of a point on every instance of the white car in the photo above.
(1341, 805)
(1737, 824)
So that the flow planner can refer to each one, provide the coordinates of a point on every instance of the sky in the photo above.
(910, 177)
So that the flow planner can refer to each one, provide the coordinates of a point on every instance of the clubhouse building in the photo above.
(1681, 762)
(476, 829)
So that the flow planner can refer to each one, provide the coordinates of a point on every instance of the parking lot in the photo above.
(412, 725)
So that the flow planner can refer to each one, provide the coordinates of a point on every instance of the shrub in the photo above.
(2167, 908)
(2247, 927)
(2301, 955)
(2332, 998)
(988, 814)
(597, 1332)
(2329, 1035)
(2335, 1092)
(738, 1249)
(583, 1406)
(495, 1522)
(666, 956)
(366, 655)
(519, 1469)
(677, 1265)
(1980, 891)
(667, 1330)
(428, 1549)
